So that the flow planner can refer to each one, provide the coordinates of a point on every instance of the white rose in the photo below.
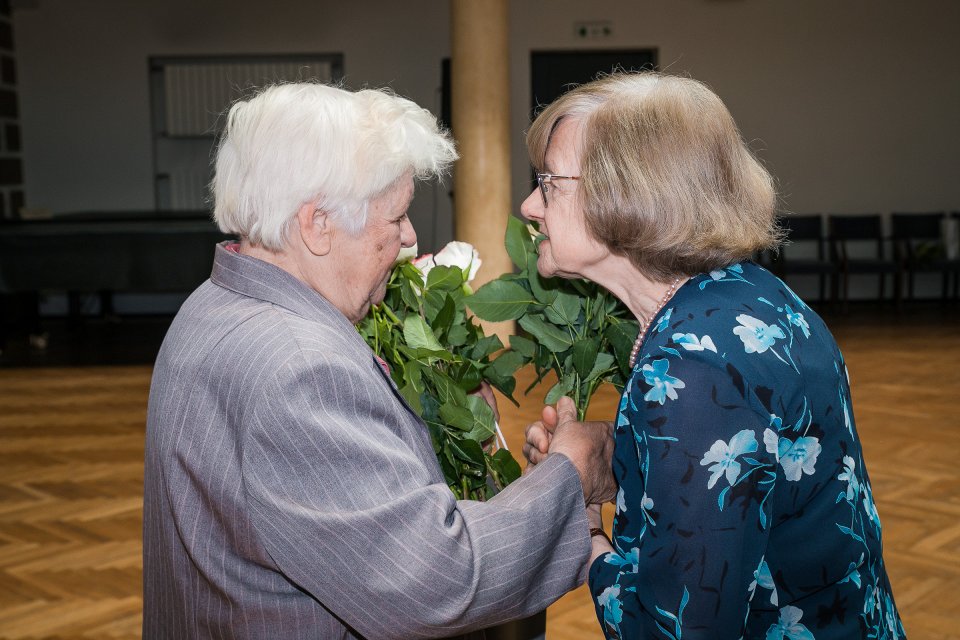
(424, 263)
(406, 253)
(458, 254)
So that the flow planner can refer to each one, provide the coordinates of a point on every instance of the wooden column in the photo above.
(480, 109)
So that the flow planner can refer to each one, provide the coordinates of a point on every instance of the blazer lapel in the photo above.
(257, 279)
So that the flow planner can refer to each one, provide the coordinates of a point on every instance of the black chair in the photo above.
(951, 241)
(919, 246)
(851, 232)
(803, 252)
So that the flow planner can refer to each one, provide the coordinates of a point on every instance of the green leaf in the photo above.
(583, 288)
(565, 309)
(397, 374)
(507, 384)
(505, 466)
(412, 396)
(500, 300)
(476, 419)
(542, 366)
(518, 242)
(603, 364)
(468, 451)
(508, 362)
(562, 388)
(448, 391)
(449, 466)
(544, 290)
(486, 346)
(615, 308)
(437, 437)
(427, 355)
(413, 374)
(544, 357)
(457, 417)
(483, 419)
(457, 336)
(622, 336)
(460, 318)
(419, 335)
(444, 319)
(527, 348)
(431, 408)
(433, 302)
(584, 355)
(598, 311)
(408, 295)
(458, 297)
(548, 335)
(468, 376)
(445, 278)
(410, 272)
(500, 373)
(367, 328)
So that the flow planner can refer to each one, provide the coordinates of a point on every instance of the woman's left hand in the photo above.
(599, 545)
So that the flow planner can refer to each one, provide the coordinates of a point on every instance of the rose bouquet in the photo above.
(574, 328)
(437, 355)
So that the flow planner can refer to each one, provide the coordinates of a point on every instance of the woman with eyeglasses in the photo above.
(744, 507)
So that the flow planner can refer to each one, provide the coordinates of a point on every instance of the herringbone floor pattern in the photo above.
(71, 494)
(71, 448)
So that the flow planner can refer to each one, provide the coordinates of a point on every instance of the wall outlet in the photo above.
(593, 29)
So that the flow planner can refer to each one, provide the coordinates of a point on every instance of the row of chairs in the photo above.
(856, 244)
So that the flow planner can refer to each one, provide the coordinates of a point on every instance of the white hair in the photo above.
(294, 144)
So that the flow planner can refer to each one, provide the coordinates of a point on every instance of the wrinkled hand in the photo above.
(588, 445)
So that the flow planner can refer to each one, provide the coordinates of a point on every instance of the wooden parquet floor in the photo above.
(71, 470)
(71, 497)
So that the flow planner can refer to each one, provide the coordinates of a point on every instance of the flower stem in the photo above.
(582, 411)
(390, 315)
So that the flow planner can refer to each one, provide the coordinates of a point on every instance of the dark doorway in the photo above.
(553, 73)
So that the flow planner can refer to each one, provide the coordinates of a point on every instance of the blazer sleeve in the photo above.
(349, 512)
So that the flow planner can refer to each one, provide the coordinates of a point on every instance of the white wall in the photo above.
(853, 104)
(84, 94)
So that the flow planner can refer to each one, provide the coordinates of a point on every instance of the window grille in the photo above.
(190, 98)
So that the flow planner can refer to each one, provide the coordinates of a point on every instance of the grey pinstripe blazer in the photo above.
(290, 493)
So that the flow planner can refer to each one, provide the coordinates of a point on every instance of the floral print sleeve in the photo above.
(693, 492)
(744, 509)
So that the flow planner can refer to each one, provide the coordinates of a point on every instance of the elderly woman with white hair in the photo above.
(289, 490)
(744, 507)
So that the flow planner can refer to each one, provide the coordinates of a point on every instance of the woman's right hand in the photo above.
(588, 445)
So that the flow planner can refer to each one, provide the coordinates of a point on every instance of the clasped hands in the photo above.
(588, 445)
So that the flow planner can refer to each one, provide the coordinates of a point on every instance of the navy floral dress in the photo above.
(745, 509)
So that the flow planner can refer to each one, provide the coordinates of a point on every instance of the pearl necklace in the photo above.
(644, 326)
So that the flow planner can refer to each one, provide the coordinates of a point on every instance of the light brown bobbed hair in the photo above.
(666, 180)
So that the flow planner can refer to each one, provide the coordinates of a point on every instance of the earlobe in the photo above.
(315, 229)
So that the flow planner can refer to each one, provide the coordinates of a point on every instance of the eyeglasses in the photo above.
(546, 179)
